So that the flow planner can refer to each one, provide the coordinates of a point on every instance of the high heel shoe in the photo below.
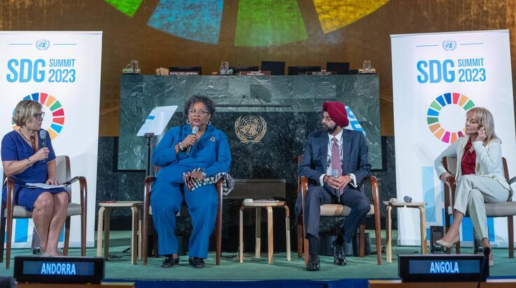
(445, 244)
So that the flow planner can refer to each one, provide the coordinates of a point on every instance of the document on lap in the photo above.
(43, 186)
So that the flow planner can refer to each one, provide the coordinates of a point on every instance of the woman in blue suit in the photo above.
(178, 154)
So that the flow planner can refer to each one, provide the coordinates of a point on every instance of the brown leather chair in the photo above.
(147, 214)
(502, 209)
(338, 210)
(11, 211)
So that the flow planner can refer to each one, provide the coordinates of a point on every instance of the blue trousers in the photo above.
(166, 199)
(353, 198)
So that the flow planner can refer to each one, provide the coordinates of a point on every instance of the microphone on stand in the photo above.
(195, 129)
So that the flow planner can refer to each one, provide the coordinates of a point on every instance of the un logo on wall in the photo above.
(250, 129)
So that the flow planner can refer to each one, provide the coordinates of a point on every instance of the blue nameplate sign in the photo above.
(41, 269)
(442, 268)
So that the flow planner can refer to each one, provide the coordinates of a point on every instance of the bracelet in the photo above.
(30, 162)
(204, 174)
(180, 147)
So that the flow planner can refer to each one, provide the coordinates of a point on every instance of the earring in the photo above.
(187, 121)
(209, 122)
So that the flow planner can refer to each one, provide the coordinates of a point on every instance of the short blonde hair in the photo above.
(25, 111)
(485, 119)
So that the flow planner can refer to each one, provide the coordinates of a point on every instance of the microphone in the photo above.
(407, 199)
(335, 174)
(485, 266)
(195, 129)
(43, 136)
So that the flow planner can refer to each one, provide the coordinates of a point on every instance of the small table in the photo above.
(422, 220)
(136, 235)
(269, 205)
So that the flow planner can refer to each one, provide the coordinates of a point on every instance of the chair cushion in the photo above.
(501, 209)
(21, 212)
(339, 210)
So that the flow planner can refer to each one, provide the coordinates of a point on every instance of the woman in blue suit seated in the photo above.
(28, 159)
(178, 154)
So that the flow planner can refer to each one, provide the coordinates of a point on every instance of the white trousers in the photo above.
(471, 194)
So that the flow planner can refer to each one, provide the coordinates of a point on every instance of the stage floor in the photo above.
(119, 267)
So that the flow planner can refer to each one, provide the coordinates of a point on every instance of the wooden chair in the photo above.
(501, 209)
(340, 211)
(147, 214)
(11, 211)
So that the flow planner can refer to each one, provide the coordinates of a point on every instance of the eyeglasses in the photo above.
(39, 116)
(201, 112)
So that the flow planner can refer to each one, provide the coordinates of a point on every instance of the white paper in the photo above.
(157, 120)
(43, 185)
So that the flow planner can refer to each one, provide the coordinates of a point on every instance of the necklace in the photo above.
(21, 133)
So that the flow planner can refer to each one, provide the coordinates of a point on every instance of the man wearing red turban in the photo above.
(336, 161)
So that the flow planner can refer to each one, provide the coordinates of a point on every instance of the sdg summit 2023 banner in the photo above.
(437, 78)
(60, 70)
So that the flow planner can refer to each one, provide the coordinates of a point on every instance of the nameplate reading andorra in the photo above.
(442, 268)
(58, 269)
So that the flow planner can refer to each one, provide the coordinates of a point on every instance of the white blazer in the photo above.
(489, 159)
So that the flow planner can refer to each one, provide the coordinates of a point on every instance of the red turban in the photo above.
(337, 113)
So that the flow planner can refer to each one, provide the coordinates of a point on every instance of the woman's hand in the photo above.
(189, 141)
(444, 177)
(197, 175)
(41, 154)
(190, 176)
(52, 181)
(481, 134)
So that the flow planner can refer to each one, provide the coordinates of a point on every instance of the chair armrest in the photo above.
(375, 192)
(513, 179)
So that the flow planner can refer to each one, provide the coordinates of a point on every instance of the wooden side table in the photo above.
(269, 206)
(422, 221)
(136, 234)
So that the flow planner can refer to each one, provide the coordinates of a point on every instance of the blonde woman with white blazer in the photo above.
(480, 176)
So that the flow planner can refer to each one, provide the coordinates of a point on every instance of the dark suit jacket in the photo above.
(355, 154)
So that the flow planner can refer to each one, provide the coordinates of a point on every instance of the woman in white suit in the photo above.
(480, 175)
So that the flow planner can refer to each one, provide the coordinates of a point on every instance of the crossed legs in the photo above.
(49, 215)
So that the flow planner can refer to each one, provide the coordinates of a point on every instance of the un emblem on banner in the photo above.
(250, 129)
(449, 45)
(42, 44)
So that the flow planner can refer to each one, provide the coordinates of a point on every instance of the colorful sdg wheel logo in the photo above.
(442, 116)
(51, 106)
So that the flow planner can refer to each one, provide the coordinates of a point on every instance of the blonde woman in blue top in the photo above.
(27, 161)
(179, 152)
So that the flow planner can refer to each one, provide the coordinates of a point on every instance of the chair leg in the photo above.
(9, 238)
(107, 220)
(2, 232)
(299, 240)
(389, 235)
(287, 228)
(258, 240)
(378, 235)
(270, 235)
(362, 240)
(66, 236)
(218, 230)
(510, 223)
(84, 217)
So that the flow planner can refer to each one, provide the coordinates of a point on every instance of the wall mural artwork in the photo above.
(258, 23)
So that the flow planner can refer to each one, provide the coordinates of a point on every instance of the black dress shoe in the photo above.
(339, 258)
(196, 262)
(169, 262)
(313, 263)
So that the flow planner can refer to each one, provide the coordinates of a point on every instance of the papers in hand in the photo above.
(43, 185)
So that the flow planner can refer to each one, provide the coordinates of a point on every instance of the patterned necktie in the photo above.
(336, 163)
(33, 143)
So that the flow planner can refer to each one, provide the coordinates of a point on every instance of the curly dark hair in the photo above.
(199, 98)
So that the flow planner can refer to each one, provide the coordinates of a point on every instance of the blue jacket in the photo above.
(211, 152)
